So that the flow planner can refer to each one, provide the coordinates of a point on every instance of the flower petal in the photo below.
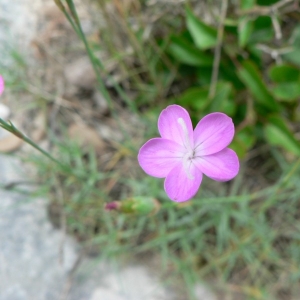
(179, 187)
(213, 133)
(1, 84)
(174, 123)
(159, 156)
(221, 166)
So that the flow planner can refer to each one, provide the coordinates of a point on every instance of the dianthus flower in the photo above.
(182, 155)
(1, 84)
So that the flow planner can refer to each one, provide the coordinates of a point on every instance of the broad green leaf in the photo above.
(287, 91)
(186, 53)
(243, 141)
(277, 133)
(296, 36)
(195, 97)
(266, 2)
(245, 29)
(204, 36)
(245, 4)
(230, 22)
(284, 73)
(245, 26)
(253, 80)
(262, 30)
(198, 99)
(204, 75)
(228, 73)
(293, 56)
(223, 100)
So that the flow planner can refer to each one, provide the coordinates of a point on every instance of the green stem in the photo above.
(63, 9)
(92, 58)
(11, 128)
(96, 62)
(37, 147)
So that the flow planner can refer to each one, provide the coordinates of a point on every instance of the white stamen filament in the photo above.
(186, 141)
(187, 161)
(189, 155)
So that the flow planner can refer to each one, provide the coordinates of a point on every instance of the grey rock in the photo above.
(80, 73)
(204, 293)
(32, 264)
(110, 281)
(36, 260)
(102, 106)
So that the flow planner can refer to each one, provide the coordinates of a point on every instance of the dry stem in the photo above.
(217, 56)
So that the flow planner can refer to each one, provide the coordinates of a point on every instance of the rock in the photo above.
(39, 130)
(30, 256)
(109, 131)
(86, 136)
(10, 143)
(102, 106)
(4, 111)
(109, 281)
(203, 293)
(81, 73)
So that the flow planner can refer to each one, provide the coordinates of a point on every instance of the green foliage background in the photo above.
(241, 237)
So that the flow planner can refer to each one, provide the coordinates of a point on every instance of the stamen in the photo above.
(186, 141)
(187, 162)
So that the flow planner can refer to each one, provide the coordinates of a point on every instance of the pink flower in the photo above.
(1, 84)
(182, 155)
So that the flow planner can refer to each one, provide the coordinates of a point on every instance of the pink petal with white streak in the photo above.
(1, 84)
(221, 166)
(213, 133)
(181, 187)
(159, 156)
(170, 128)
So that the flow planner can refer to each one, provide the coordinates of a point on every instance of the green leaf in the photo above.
(203, 75)
(252, 79)
(243, 141)
(262, 30)
(287, 91)
(284, 73)
(198, 99)
(186, 53)
(277, 133)
(204, 36)
(266, 2)
(245, 29)
(293, 56)
(223, 100)
(195, 97)
(245, 4)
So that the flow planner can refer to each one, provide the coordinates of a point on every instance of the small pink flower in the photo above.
(1, 84)
(182, 155)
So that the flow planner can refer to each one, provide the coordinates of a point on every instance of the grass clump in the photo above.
(241, 236)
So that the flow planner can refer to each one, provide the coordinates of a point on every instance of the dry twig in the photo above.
(265, 10)
(217, 56)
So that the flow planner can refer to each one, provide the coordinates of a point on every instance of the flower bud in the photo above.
(135, 205)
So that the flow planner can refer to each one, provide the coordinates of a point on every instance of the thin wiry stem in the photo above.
(97, 65)
(11, 128)
(265, 10)
(217, 56)
(91, 55)
(96, 62)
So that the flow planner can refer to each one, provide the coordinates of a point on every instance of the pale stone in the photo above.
(80, 73)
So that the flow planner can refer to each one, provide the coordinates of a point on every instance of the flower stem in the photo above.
(11, 128)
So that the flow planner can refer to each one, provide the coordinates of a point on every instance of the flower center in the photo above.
(186, 139)
(188, 157)
(187, 161)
